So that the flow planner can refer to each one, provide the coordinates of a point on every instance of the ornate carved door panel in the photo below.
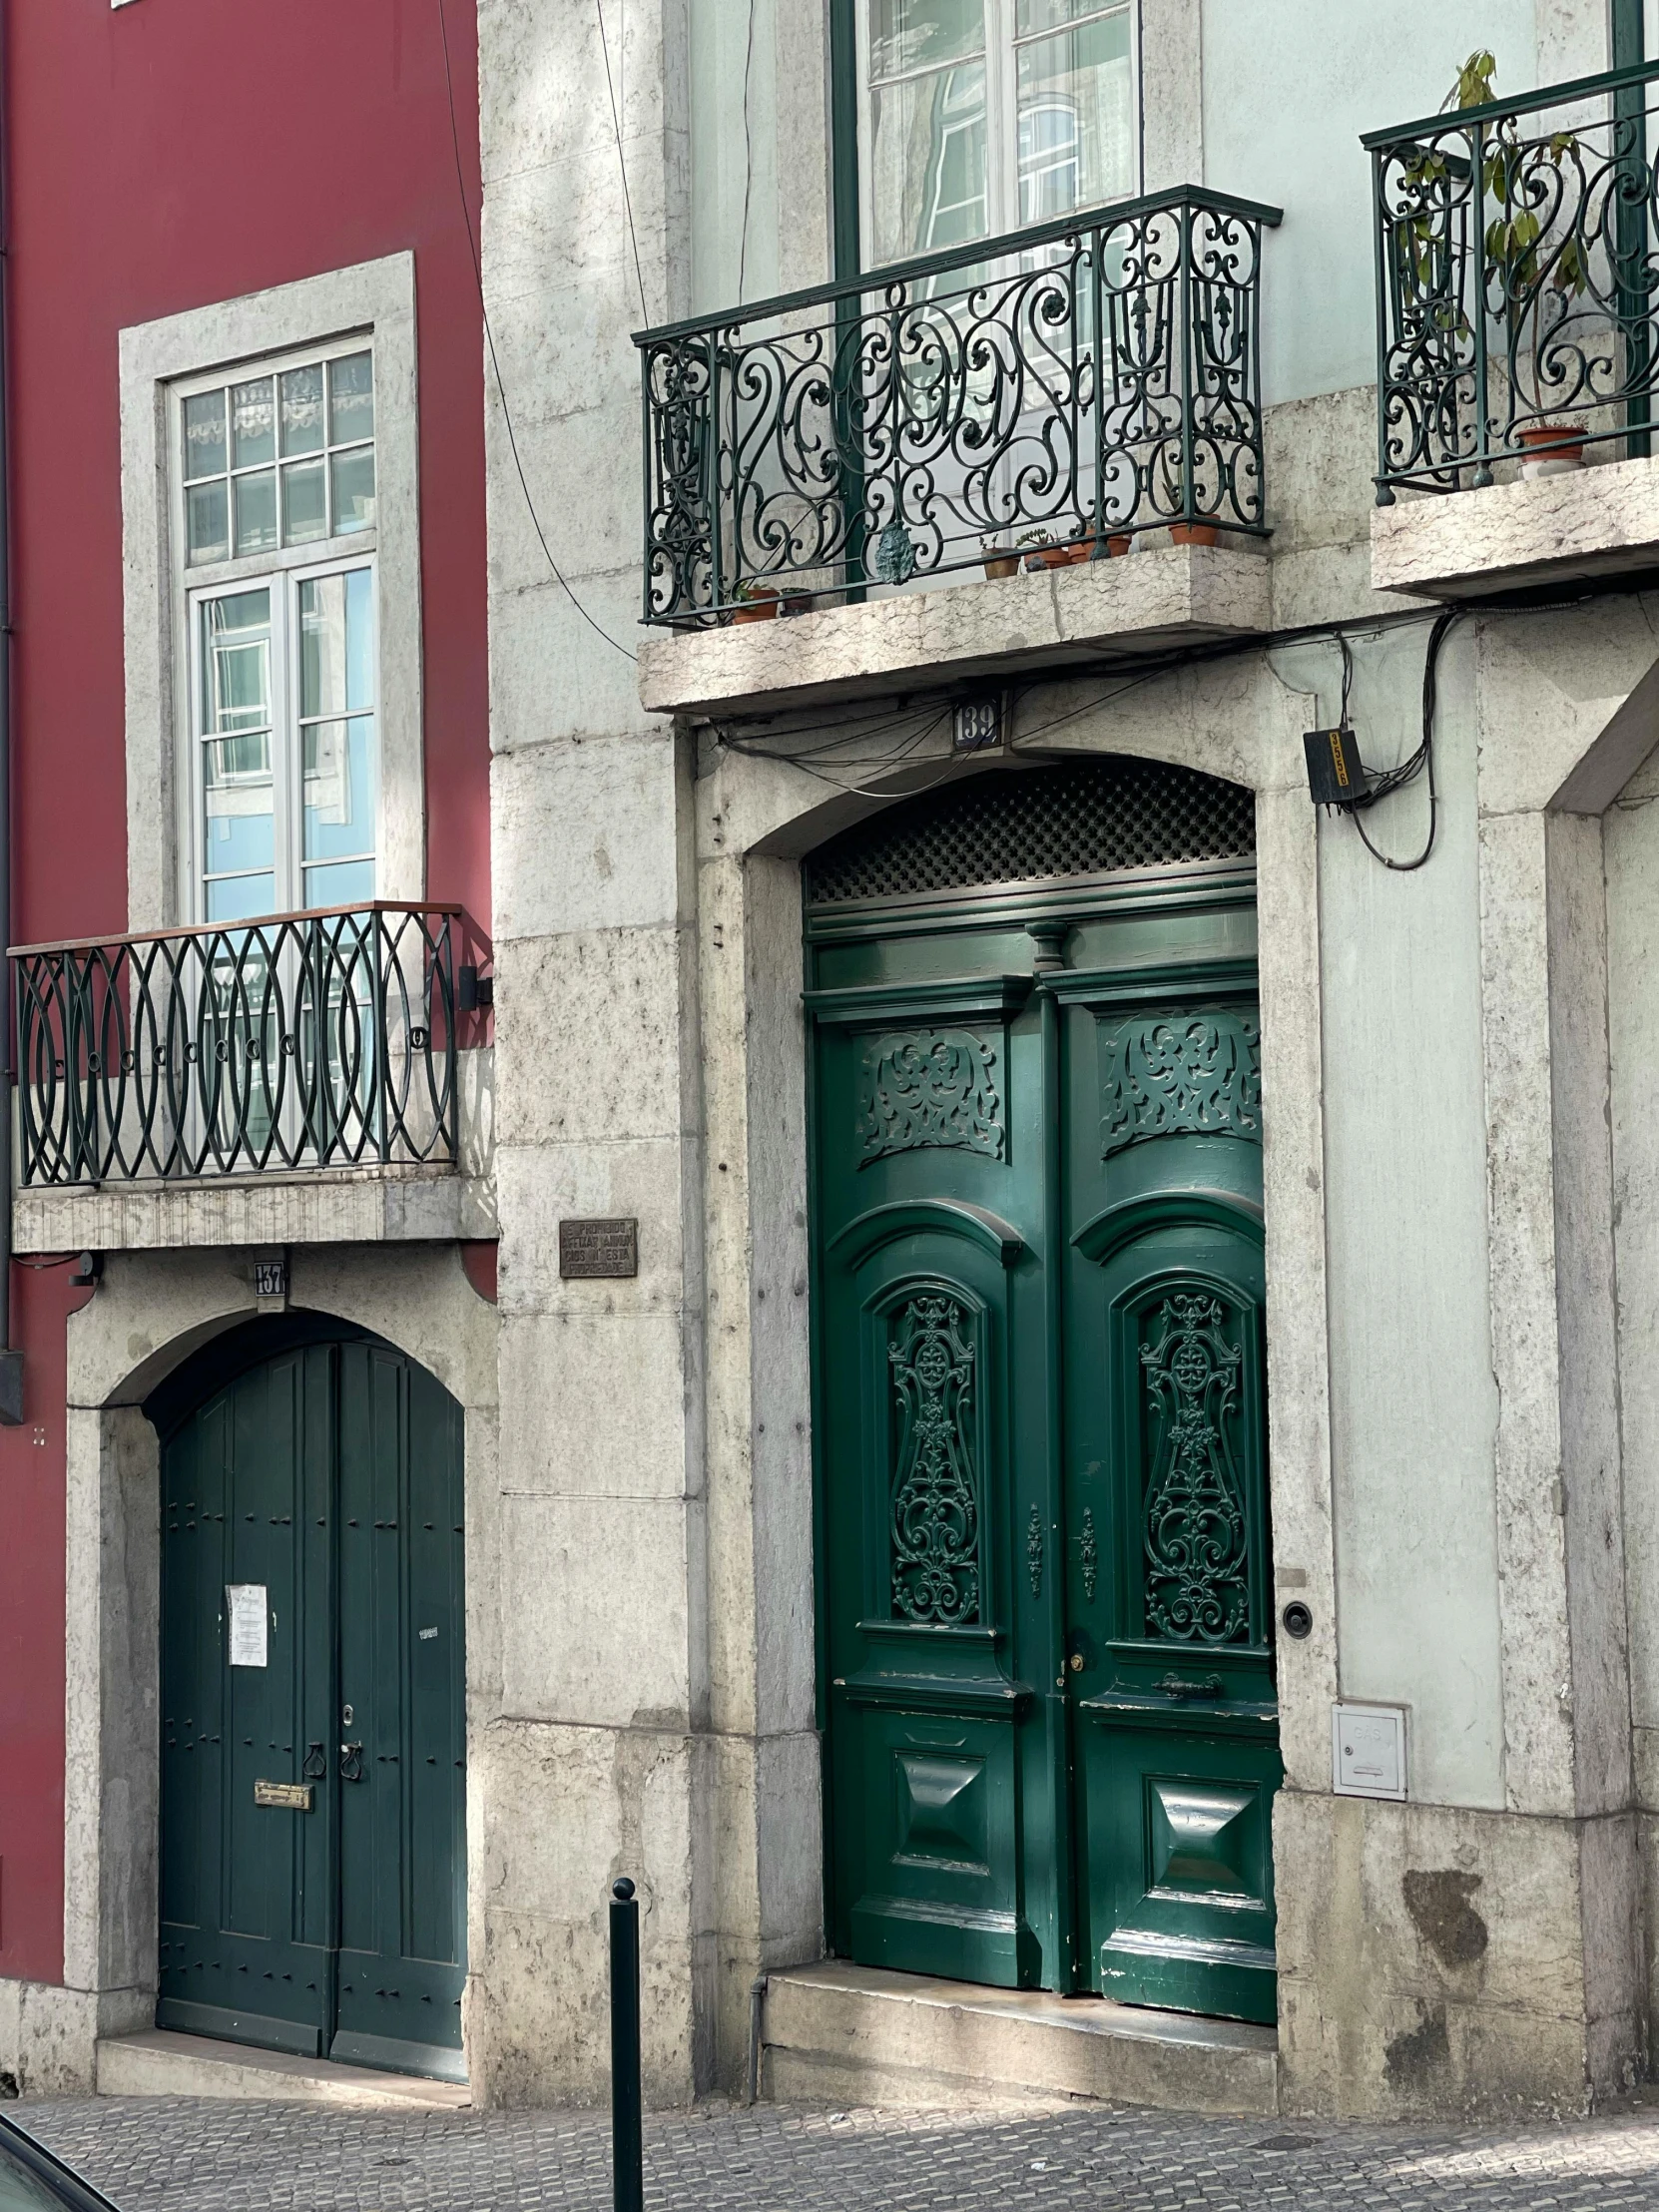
(930, 1177)
(1038, 1413)
(1175, 1729)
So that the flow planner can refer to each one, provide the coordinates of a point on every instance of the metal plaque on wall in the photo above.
(594, 1249)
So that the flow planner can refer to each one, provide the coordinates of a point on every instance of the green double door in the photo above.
(313, 1842)
(1053, 1738)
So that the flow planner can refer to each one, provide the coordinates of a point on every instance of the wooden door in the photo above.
(313, 1669)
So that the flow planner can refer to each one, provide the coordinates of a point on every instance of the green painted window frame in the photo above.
(843, 137)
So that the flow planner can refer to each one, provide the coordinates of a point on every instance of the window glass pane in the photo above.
(22, 2189)
(927, 163)
(207, 522)
(305, 503)
(255, 502)
(352, 477)
(351, 398)
(204, 435)
(239, 830)
(918, 34)
(337, 643)
(239, 898)
(347, 884)
(1052, 15)
(252, 424)
(360, 638)
(302, 411)
(322, 645)
(236, 662)
(340, 789)
(1075, 115)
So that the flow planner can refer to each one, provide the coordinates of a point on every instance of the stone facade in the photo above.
(1461, 1189)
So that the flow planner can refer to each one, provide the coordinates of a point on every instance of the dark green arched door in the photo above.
(1040, 1389)
(313, 1839)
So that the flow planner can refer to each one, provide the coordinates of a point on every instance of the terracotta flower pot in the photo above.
(1192, 533)
(1119, 543)
(1550, 449)
(759, 606)
(1056, 556)
(1002, 564)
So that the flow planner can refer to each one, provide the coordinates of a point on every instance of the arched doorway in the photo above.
(1039, 1387)
(312, 1798)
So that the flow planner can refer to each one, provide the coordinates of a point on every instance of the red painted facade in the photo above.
(162, 156)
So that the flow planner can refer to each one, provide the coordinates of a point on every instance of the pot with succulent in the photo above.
(1052, 552)
(755, 602)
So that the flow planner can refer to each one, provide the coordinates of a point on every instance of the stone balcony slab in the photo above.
(1105, 609)
(373, 1204)
(1592, 521)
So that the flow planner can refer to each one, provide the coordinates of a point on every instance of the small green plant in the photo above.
(1514, 174)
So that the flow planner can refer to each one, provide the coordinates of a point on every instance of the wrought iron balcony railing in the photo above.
(1073, 383)
(1516, 284)
(314, 1040)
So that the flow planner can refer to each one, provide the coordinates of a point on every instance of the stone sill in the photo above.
(1590, 521)
(1137, 604)
(377, 1205)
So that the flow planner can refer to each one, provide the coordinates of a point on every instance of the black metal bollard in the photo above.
(627, 2150)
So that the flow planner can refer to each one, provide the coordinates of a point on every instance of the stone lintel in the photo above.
(1594, 521)
(1141, 603)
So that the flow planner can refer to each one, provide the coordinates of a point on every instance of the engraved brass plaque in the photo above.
(287, 1797)
(592, 1249)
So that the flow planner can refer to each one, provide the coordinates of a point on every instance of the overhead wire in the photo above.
(621, 159)
(496, 360)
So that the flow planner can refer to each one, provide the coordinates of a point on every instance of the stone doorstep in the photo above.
(156, 2062)
(842, 2035)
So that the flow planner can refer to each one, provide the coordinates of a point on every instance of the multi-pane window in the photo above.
(983, 116)
(280, 460)
(277, 514)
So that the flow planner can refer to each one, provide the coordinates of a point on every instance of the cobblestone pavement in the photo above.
(201, 2155)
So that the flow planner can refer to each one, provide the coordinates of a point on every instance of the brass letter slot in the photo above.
(289, 1797)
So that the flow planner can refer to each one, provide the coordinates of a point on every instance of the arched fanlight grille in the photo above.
(1085, 818)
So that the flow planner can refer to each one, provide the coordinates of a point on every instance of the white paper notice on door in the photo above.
(246, 1602)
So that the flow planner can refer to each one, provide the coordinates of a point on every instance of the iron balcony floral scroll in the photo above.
(314, 1040)
(1067, 384)
(1517, 288)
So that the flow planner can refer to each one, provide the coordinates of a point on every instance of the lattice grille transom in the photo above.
(1089, 818)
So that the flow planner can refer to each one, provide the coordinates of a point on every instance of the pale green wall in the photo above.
(1414, 1407)
(1289, 84)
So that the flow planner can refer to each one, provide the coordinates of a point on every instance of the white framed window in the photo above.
(301, 713)
(276, 509)
(978, 117)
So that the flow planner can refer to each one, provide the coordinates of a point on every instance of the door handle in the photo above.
(1174, 1686)
(317, 1762)
(350, 1761)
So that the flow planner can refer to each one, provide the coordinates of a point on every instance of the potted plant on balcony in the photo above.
(1192, 533)
(755, 602)
(1515, 250)
(1000, 560)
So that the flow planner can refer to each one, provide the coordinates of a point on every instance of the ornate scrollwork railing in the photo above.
(1517, 289)
(1076, 381)
(314, 1040)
